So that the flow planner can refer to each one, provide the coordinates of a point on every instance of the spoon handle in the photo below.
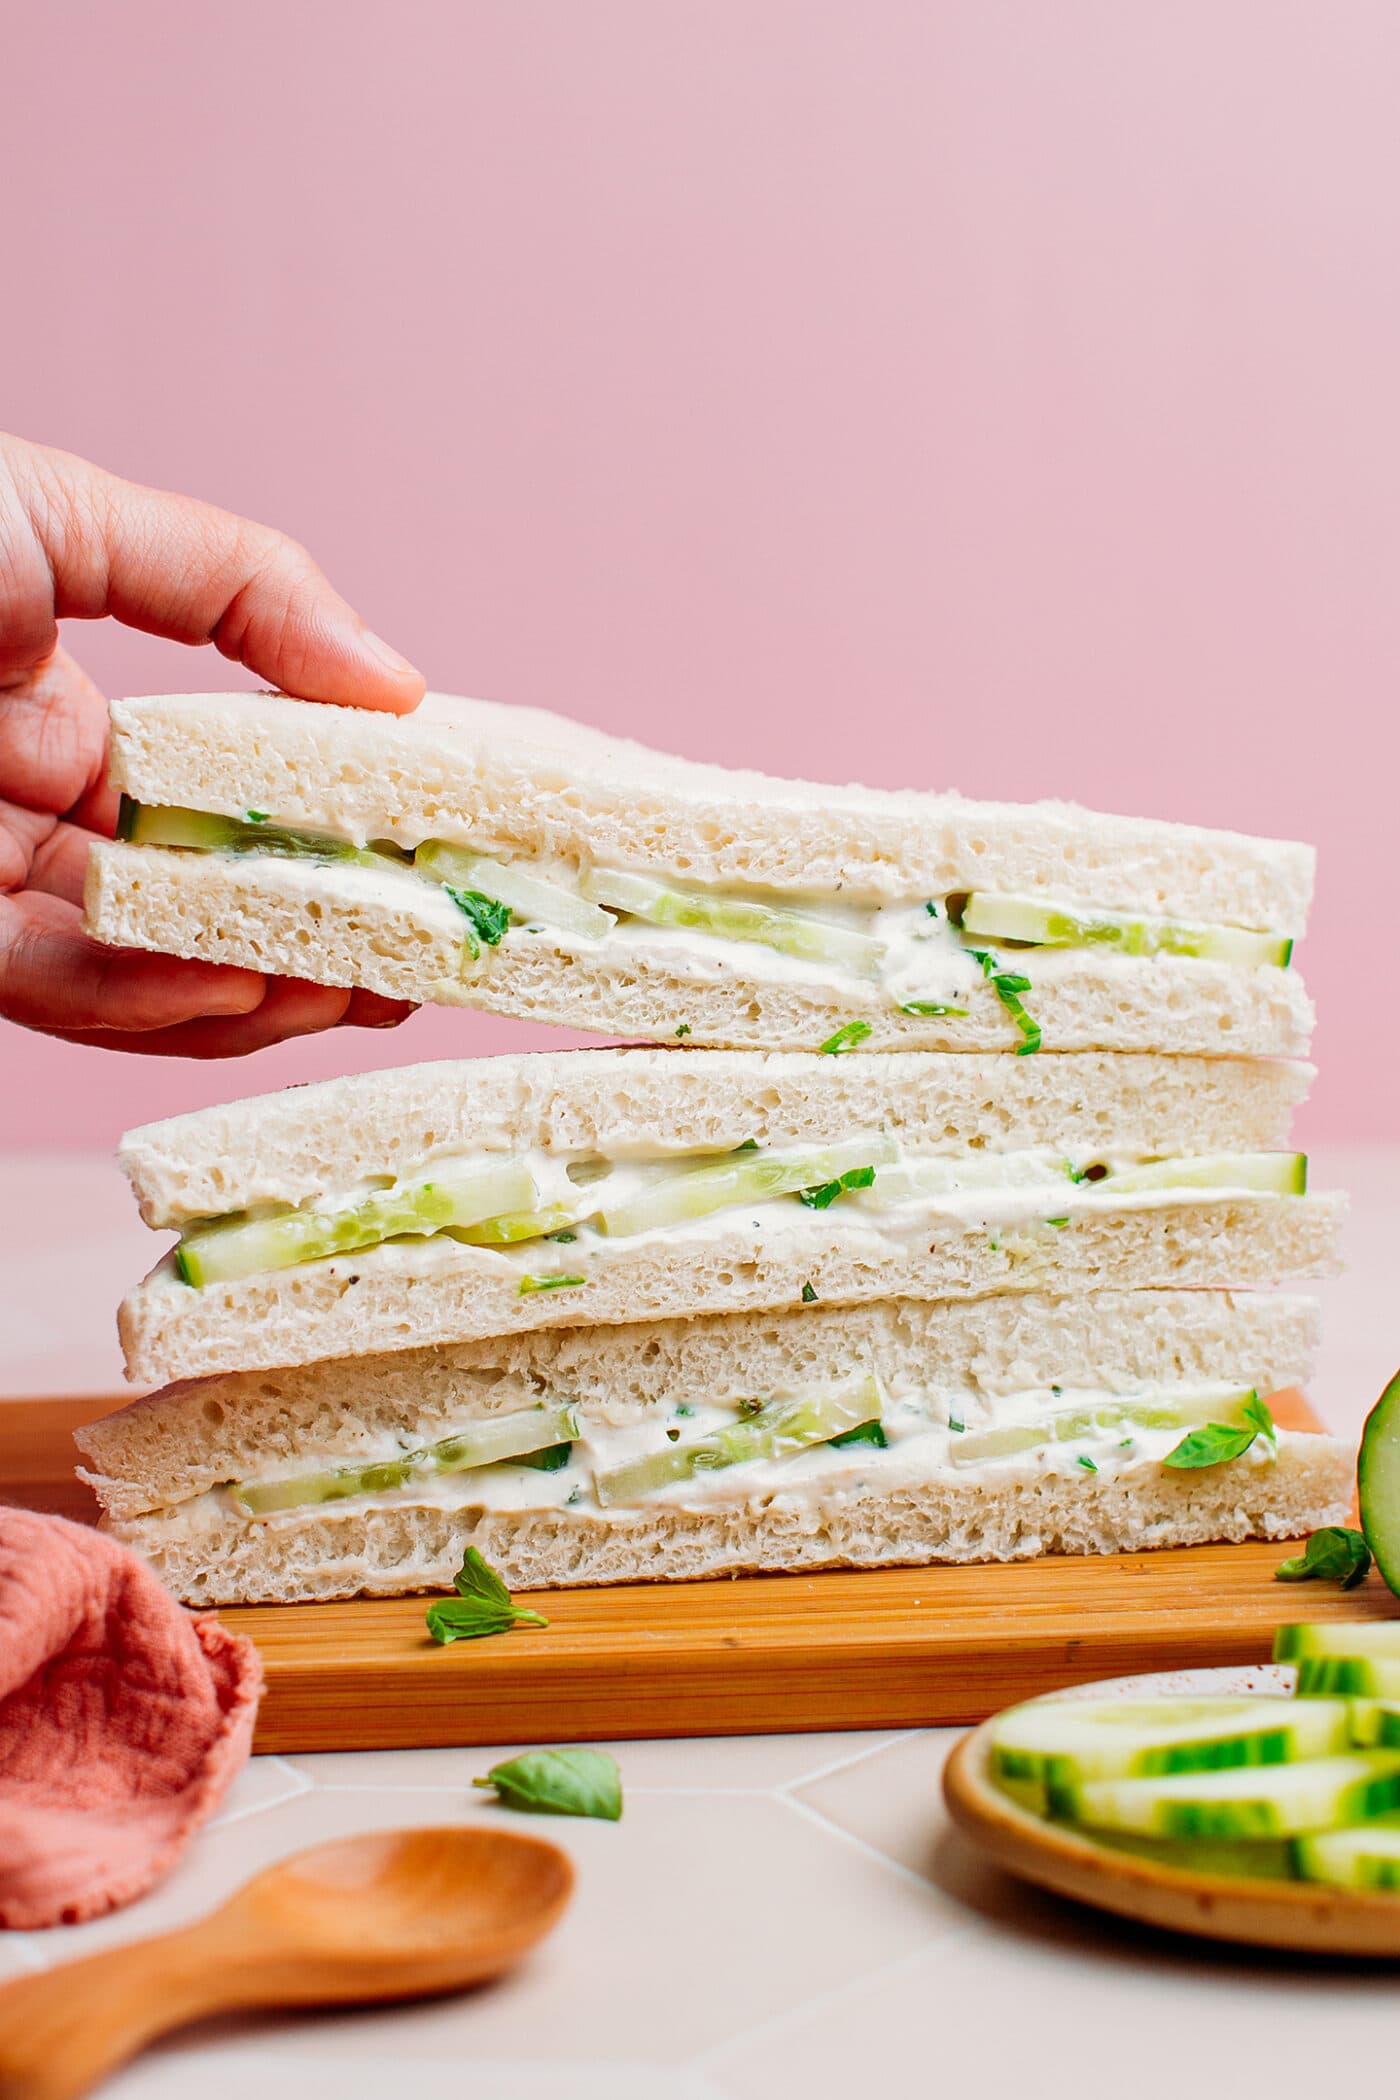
(62, 2031)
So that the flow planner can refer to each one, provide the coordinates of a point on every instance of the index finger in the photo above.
(85, 544)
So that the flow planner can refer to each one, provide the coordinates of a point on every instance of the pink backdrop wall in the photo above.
(999, 396)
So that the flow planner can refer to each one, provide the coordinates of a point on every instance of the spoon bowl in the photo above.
(391, 1914)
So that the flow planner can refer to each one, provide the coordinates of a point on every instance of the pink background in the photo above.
(998, 396)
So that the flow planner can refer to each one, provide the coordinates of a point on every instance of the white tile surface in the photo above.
(773, 1915)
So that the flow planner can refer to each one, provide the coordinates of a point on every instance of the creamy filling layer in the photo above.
(817, 1444)
(926, 956)
(544, 1213)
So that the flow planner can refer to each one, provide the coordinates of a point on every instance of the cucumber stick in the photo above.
(797, 933)
(529, 897)
(1367, 1857)
(1263, 1801)
(1269, 1173)
(523, 1434)
(741, 1177)
(238, 1246)
(1378, 1483)
(776, 1431)
(150, 824)
(1051, 925)
(1124, 1417)
(1065, 1742)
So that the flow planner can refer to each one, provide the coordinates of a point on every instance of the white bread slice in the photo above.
(410, 1293)
(340, 1551)
(396, 935)
(308, 1141)
(532, 783)
(172, 1445)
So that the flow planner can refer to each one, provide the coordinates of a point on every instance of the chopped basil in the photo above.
(1087, 1462)
(559, 1783)
(864, 1433)
(256, 816)
(1057, 1221)
(486, 917)
(563, 1238)
(481, 1606)
(958, 1428)
(1008, 986)
(548, 1283)
(845, 1038)
(824, 1195)
(1334, 1554)
(809, 1296)
(683, 1030)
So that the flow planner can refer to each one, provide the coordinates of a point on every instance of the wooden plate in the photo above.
(1300, 1915)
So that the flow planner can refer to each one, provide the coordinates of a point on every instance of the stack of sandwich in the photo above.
(929, 1222)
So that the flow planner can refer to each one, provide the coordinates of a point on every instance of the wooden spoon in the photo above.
(393, 1914)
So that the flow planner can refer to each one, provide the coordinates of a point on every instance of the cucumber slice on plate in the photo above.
(1375, 1640)
(1348, 1677)
(1378, 1483)
(238, 1246)
(530, 897)
(776, 1431)
(1375, 1723)
(1364, 1858)
(1262, 1801)
(798, 933)
(1051, 925)
(741, 1177)
(1066, 1742)
(1266, 1173)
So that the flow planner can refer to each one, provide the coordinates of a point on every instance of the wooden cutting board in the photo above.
(891, 1648)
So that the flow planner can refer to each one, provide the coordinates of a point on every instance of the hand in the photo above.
(78, 544)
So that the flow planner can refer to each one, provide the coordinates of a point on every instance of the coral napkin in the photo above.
(123, 1718)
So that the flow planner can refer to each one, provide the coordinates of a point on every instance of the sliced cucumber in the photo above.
(529, 897)
(918, 1180)
(1266, 1801)
(741, 1177)
(1123, 1416)
(1375, 1723)
(798, 933)
(149, 824)
(1377, 1640)
(1367, 1857)
(220, 1252)
(1348, 1677)
(517, 1225)
(1249, 1859)
(776, 1431)
(1271, 1173)
(1378, 1483)
(527, 1435)
(1062, 1742)
(1061, 926)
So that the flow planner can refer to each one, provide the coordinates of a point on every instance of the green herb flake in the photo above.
(559, 1783)
(845, 1038)
(864, 1433)
(683, 1030)
(256, 816)
(563, 1238)
(549, 1283)
(809, 1296)
(932, 909)
(1217, 1443)
(958, 1428)
(482, 1605)
(1057, 1221)
(548, 1460)
(749, 1145)
(1008, 986)
(486, 916)
(1334, 1554)
(1087, 1462)
(824, 1195)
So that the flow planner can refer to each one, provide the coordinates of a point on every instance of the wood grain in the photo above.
(898, 1647)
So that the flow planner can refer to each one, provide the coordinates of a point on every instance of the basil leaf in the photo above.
(1213, 1445)
(559, 1783)
(487, 917)
(482, 1605)
(1334, 1554)
(845, 1038)
(1256, 1412)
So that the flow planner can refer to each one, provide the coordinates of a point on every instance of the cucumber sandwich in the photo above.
(899, 1430)
(447, 1202)
(478, 855)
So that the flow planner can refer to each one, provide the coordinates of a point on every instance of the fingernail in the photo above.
(383, 654)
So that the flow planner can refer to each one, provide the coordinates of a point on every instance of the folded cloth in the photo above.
(123, 1718)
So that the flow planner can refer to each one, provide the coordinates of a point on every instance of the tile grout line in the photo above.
(849, 1837)
(713, 2058)
(842, 1764)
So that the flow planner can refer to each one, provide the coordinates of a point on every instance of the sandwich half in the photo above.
(446, 1202)
(478, 855)
(990, 1429)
